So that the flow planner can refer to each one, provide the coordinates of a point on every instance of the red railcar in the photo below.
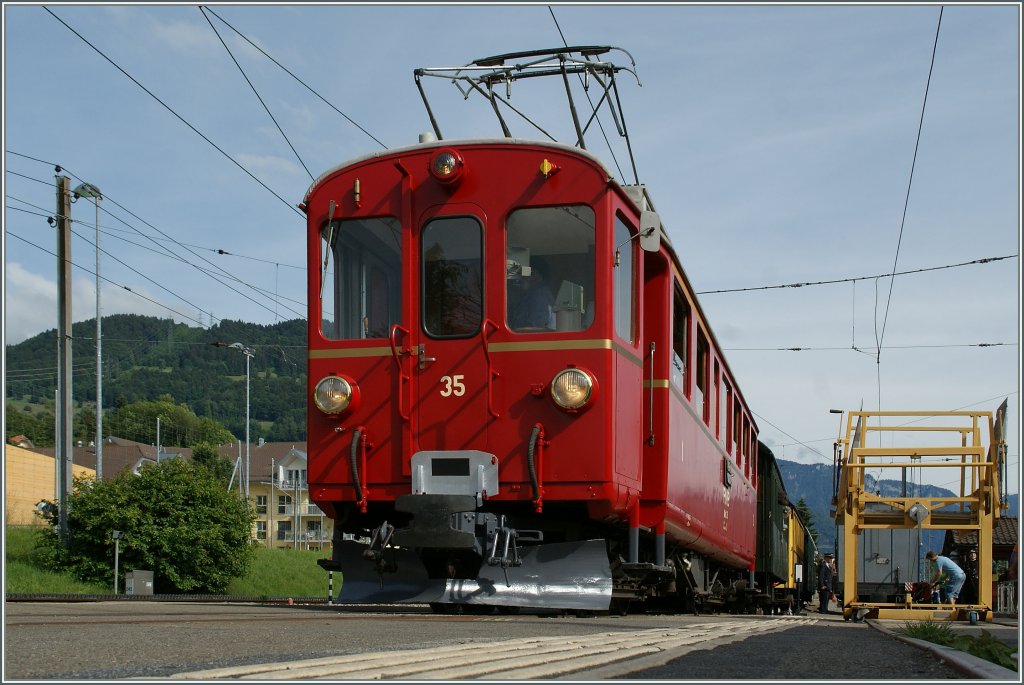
(515, 399)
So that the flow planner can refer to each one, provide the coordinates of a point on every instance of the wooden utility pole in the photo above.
(65, 420)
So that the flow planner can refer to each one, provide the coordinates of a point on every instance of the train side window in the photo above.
(361, 288)
(737, 427)
(746, 445)
(452, 273)
(752, 474)
(549, 269)
(726, 415)
(681, 342)
(703, 400)
(625, 281)
(718, 401)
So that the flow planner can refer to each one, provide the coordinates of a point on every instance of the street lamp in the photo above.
(91, 191)
(248, 352)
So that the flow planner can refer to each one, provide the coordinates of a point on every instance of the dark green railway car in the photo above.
(785, 567)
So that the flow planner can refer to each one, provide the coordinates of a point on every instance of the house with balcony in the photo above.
(285, 516)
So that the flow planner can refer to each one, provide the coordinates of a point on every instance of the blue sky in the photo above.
(776, 142)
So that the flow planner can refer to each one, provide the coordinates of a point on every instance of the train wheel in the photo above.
(619, 607)
(445, 608)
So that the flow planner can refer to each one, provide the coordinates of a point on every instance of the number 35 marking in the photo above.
(453, 385)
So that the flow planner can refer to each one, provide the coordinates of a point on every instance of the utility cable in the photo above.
(168, 253)
(107, 230)
(109, 199)
(119, 285)
(798, 442)
(256, 92)
(129, 267)
(180, 118)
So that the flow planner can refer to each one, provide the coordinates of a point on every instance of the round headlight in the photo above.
(333, 394)
(572, 388)
(446, 166)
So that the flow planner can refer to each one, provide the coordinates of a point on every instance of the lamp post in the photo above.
(91, 191)
(248, 352)
(116, 534)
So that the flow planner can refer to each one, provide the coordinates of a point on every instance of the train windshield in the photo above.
(361, 296)
(453, 287)
(549, 269)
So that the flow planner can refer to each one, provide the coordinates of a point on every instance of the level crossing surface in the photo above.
(160, 640)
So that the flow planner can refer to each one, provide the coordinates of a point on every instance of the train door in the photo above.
(450, 364)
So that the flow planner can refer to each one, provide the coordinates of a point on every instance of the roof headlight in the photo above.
(573, 388)
(447, 166)
(334, 394)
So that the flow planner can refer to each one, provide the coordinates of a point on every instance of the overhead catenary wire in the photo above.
(847, 349)
(910, 182)
(202, 11)
(880, 336)
(600, 125)
(179, 117)
(303, 83)
(854, 279)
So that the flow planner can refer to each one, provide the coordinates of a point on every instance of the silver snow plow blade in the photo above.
(563, 575)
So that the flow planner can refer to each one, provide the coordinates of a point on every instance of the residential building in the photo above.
(29, 478)
(285, 516)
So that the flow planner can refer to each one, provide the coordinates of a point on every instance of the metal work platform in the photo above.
(963, 448)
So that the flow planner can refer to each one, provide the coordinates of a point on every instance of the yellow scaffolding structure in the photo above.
(975, 456)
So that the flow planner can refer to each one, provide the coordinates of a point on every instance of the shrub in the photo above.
(177, 520)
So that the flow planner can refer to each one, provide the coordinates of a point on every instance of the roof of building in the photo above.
(1004, 534)
(120, 454)
(263, 456)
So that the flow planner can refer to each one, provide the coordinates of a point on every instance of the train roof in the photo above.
(456, 142)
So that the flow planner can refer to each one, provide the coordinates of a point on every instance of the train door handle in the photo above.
(424, 360)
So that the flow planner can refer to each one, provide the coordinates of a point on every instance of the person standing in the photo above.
(970, 589)
(826, 577)
(952, 577)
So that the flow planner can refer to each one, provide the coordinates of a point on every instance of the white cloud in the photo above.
(185, 36)
(268, 163)
(30, 305)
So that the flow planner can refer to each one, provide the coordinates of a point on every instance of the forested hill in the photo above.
(146, 358)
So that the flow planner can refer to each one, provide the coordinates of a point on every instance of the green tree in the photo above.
(179, 426)
(206, 454)
(177, 520)
(37, 429)
(804, 512)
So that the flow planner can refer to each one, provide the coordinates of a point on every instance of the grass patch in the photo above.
(284, 573)
(274, 573)
(986, 646)
(25, 574)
